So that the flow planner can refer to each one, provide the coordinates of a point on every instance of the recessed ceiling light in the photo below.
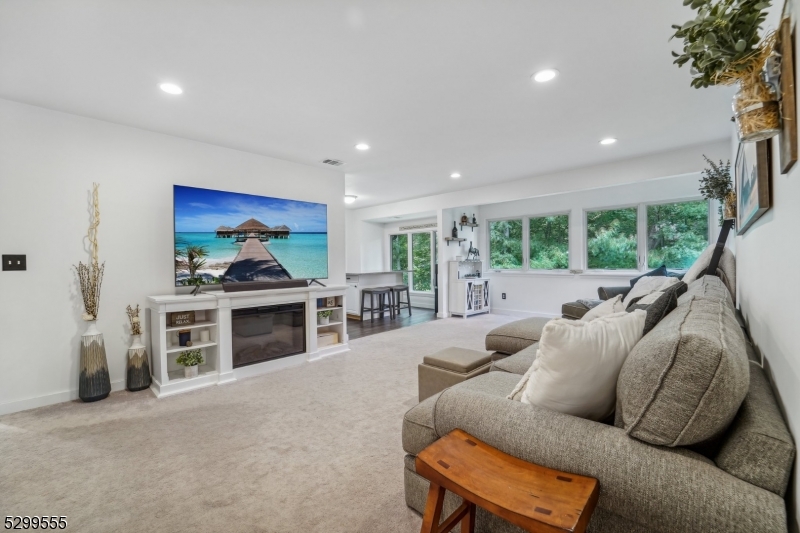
(171, 88)
(349, 198)
(545, 75)
(609, 140)
(362, 146)
(455, 175)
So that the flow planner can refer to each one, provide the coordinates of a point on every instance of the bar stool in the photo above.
(380, 292)
(397, 298)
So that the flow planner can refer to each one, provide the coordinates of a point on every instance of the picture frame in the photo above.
(788, 137)
(330, 301)
(752, 180)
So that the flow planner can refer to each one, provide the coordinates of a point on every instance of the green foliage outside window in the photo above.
(421, 261)
(399, 254)
(549, 242)
(676, 233)
(505, 244)
(611, 239)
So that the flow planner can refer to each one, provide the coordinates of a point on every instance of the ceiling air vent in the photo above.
(333, 162)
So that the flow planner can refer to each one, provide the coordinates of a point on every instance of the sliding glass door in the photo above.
(414, 252)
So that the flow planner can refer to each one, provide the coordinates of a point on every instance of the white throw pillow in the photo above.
(647, 285)
(578, 363)
(611, 306)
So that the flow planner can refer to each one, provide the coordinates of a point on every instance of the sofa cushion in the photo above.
(726, 268)
(418, 422)
(658, 304)
(514, 336)
(608, 307)
(519, 363)
(758, 447)
(708, 287)
(648, 285)
(573, 310)
(684, 381)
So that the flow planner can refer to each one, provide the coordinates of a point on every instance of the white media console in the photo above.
(214, 313)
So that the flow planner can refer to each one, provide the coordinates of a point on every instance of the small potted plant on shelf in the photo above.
(190, 360)
(716, 184)
(324, 316)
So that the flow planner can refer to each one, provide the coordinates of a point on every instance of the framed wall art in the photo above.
(752, 177)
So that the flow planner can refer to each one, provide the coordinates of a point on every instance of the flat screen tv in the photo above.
(246, 241)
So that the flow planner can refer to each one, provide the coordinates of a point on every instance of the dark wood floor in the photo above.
(361, 328)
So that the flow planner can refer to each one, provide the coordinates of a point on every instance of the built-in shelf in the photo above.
(453, 239)
(329, 308)
(198, 324)
(328, 324)
(203, 372)
(195, 345)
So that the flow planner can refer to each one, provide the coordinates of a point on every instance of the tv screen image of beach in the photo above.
(227, 237)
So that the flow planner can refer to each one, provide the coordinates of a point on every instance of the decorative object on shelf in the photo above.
(724, 47)
(190, 360)
(752, 183)
(205, 336)
(729, 207)
(474, 220)
(454, 233)
(185, 337)
(330, 302)
(716, 184)
(464, 219)
(184, 318)
(94, 382)
(327, 338)
(787, 94)
(324, 316)
(473, 254)
(138, 370)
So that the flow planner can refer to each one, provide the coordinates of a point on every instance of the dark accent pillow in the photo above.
(673, 274)
(660, 307)
(660, 271)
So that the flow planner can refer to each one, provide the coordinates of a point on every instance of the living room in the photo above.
(297, 250)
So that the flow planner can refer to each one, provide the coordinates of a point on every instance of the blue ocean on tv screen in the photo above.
(293, 233)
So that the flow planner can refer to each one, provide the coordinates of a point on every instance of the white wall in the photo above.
(48, 161)
(768, 257)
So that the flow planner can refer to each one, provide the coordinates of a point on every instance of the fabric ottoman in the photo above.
(448, 367)
(573, 310)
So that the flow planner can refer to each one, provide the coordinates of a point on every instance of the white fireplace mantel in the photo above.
(214, 312)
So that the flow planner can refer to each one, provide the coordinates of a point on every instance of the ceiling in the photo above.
(433, 86)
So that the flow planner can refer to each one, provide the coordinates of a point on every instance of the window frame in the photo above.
(625, 271)
(710, 225)
(526, 245)
(410, 250)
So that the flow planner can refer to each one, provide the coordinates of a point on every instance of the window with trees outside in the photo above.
(399, 254)
(611, 239)
(505, 244)
(549, 242)
(421, 262)
(677, 233)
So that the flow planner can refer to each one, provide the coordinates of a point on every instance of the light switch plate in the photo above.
(15, 262)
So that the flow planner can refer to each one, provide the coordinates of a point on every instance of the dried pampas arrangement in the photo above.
(91, 276)
(133, 317)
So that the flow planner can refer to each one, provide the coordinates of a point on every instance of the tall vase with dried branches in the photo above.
(138, 372)
(94, 382)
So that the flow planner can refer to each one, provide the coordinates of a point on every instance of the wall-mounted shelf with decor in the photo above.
(468, 225)
(453, 239)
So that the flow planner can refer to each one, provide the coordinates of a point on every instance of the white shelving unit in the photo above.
(468, 292)
(213, 312)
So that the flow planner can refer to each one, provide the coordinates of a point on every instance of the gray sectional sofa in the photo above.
(733, 481)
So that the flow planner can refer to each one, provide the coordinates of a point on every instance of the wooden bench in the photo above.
(532, 497)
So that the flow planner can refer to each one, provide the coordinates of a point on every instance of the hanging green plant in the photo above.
(722, 39)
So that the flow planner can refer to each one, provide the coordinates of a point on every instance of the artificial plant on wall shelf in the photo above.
(723, 46)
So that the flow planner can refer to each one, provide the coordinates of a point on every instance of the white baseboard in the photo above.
(50, 399)
(523, 314)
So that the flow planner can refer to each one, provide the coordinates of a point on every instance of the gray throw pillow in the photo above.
(684, 382)
(658, 304)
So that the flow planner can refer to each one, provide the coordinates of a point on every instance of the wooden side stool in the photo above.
(532, 497)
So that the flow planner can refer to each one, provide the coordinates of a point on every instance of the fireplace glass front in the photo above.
(268, 332)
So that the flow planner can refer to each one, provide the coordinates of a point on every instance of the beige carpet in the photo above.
(311, 448)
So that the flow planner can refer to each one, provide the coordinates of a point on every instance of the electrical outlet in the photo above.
(15, 262)
(504, 296)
